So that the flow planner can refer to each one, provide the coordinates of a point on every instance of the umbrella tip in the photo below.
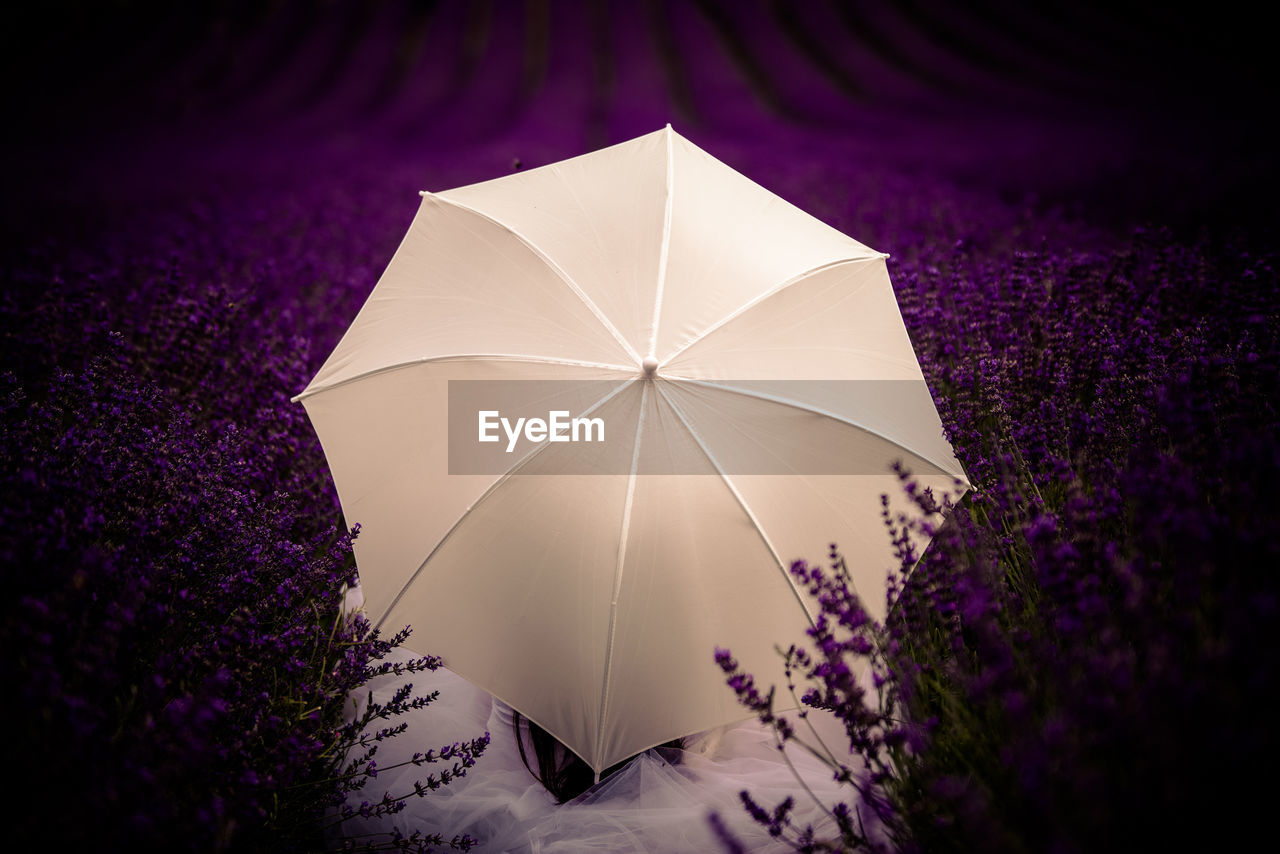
(650, 366)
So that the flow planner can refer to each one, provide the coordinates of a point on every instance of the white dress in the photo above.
(650, 805)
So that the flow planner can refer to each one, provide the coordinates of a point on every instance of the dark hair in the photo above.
(560, 770)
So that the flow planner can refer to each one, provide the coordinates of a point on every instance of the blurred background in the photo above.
(1113, 112)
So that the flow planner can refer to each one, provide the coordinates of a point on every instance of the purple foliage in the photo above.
(1080, 656)
(175, 570)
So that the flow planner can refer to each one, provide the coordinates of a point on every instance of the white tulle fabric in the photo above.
(659, 802)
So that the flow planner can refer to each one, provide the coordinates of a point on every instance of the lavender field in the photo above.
(1079, 208)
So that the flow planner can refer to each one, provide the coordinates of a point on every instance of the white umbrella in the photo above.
(753, 379)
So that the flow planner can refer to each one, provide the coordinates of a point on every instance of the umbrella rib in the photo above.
(755, 523)
(795, 404)
(617, 576)
(523, 461)
(473, 357)
(555, 268)
(764, 296)
(664, 253)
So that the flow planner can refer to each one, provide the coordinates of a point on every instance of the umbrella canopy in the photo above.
(722, 382)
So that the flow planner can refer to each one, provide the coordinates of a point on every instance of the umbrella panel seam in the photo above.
(521, 463)
(664, 253)
(755, 523)
(617, 578)
(460, 357)
(555, 268)
(824, 413)
(772, 292)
